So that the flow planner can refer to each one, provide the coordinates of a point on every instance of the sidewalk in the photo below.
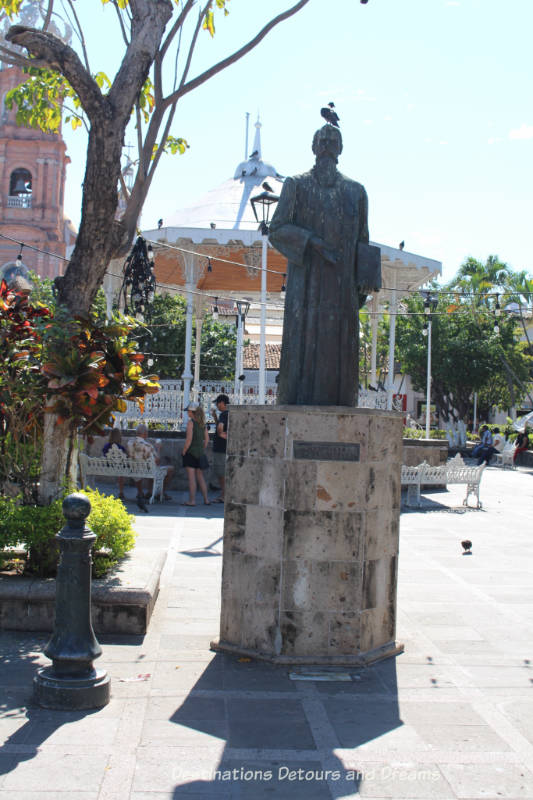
(450, 718)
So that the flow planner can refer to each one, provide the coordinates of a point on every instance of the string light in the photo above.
(215, 309)
(178, 290)
(283, 286)
(209, 265)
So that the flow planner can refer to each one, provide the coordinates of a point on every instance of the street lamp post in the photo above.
(242, 309)
(264, 200)
(430, 304)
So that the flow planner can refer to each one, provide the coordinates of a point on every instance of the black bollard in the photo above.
(71, 682)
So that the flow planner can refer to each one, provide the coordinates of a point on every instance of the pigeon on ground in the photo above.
(330, 115)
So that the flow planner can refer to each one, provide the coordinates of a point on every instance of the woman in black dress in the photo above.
(194, 458)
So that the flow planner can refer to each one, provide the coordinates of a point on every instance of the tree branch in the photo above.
(48, 16)
(238, 54)
(176, 27)
(61, 57)
(194, 39)
(81, 37)
(121, 23)
(149, 18)
(17, 59)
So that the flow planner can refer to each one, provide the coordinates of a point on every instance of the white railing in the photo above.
(166, 407)
(19, 201)
(372, 399)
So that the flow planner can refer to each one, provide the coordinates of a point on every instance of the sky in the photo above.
(435, 106)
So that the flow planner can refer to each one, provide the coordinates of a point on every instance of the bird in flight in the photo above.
(330, 115)
(267, 187)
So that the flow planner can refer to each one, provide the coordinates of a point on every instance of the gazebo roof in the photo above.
(228, 205)
(218, 215)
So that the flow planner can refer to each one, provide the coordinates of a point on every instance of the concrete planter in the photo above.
(121, 603)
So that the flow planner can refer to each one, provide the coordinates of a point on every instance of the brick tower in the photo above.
(32, 183)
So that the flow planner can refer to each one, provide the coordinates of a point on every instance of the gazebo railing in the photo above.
(166, 407)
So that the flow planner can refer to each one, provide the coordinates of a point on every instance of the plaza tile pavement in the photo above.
(450, 718)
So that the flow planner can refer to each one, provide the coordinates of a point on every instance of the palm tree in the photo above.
(482, 281)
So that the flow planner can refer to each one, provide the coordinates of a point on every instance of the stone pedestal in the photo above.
(311, 534)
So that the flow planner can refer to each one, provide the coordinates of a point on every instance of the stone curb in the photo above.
(121, 603)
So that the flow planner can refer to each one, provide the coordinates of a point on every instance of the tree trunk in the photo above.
(54, 461)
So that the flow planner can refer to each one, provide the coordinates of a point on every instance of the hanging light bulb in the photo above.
(497, 309)
(283, 286)
(425, 330)
(150, 252)
(150, 362)
(496, 328)
(209, 265)
(215, 309)
(18, 260)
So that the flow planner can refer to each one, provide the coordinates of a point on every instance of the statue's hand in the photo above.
(321, 247)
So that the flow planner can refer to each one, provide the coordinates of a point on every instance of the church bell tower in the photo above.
(32, 182)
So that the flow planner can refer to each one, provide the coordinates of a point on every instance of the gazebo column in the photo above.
(393, 308)
(197, 353)
(374, 320)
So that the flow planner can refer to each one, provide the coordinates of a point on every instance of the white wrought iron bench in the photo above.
(455, 471)
(118, 465)
(506, 457)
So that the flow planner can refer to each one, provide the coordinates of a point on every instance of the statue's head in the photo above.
(327, 141)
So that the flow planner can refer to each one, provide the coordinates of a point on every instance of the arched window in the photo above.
(20, 189)
(20, 182)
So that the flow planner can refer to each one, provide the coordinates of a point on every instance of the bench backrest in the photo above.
(117, 465)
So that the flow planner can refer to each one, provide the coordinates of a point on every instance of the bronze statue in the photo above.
(321, 226)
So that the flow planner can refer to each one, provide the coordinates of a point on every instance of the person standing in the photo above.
(194, 458)
(220, 443)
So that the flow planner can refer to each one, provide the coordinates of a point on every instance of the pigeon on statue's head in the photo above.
(330, 115)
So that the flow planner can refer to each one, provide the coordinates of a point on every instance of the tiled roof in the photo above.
(272, 356)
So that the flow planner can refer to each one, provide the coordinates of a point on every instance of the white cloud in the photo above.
(494, 140)
(523, 132)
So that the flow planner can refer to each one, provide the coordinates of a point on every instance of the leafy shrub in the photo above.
(420, 433)
(35, 527)
(112, 525)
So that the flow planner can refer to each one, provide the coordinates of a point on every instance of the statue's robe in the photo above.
(319, 352)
